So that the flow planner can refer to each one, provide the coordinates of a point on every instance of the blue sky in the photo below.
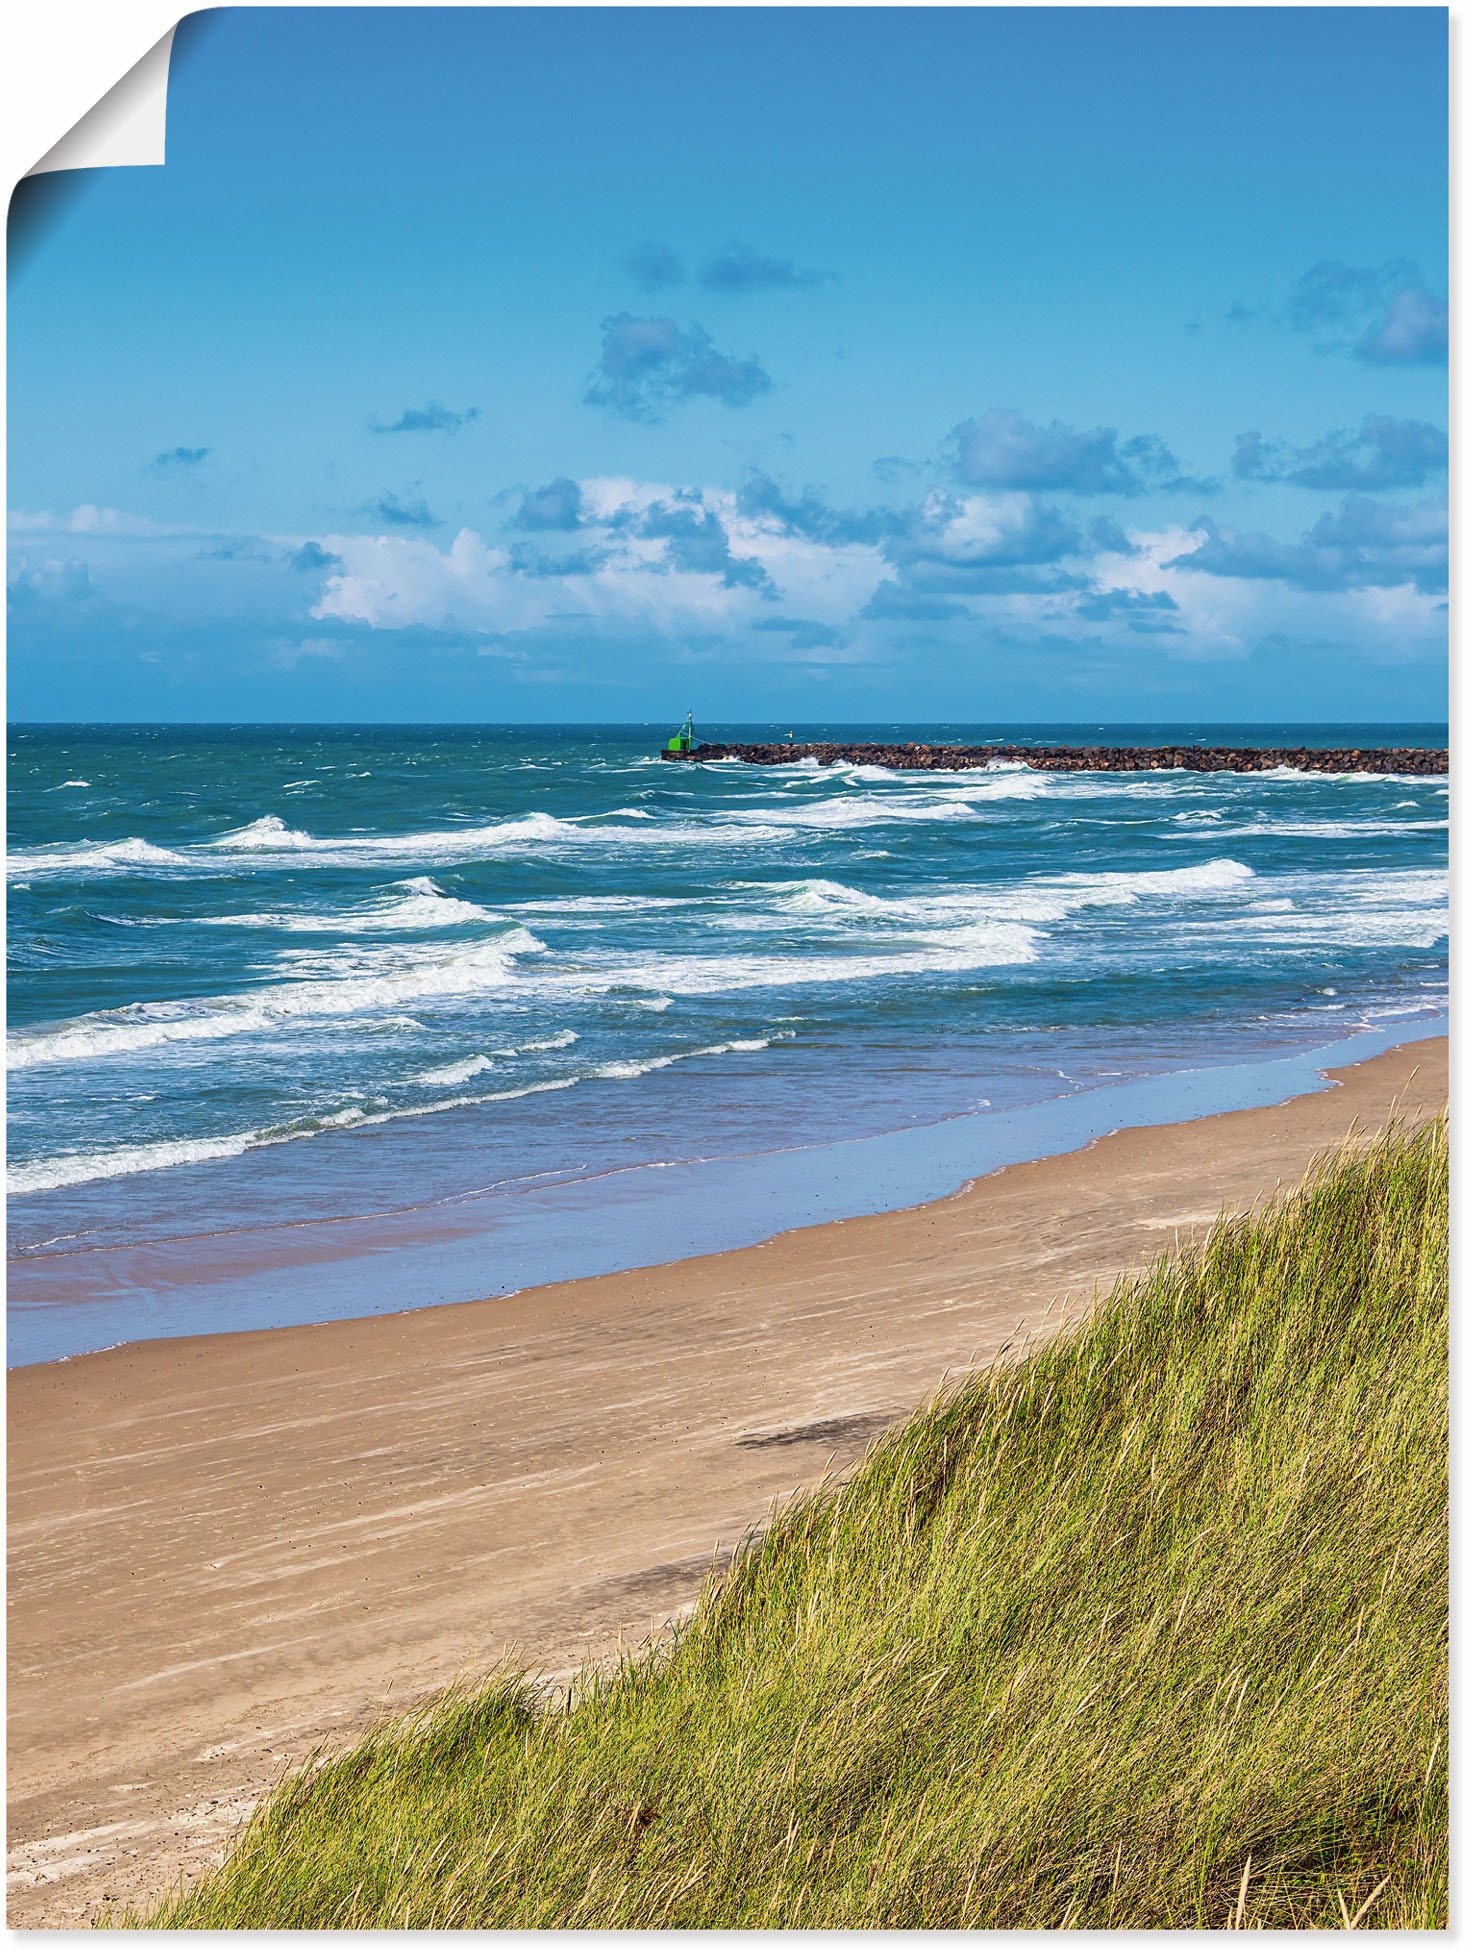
(845, 363)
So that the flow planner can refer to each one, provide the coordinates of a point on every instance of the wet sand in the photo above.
(227, 1549)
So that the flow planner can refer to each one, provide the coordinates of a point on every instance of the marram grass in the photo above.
(1146, 1629)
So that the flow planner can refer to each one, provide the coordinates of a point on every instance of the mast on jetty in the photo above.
(684, 739)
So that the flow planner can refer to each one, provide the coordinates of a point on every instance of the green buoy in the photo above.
(684, 739)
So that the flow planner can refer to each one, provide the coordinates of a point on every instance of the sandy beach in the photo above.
(225, 1550)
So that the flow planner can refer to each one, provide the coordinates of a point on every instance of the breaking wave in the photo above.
(145, 1026)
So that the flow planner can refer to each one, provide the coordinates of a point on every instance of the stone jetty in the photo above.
(1087, 759)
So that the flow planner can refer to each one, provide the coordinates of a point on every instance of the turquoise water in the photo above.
(266, 979)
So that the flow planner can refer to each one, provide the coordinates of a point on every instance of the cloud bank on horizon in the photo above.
(953, 429)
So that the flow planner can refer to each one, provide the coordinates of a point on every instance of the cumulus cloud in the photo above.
(655, 570)
(1385, 453)
(739, 268)
(655, 560)
(947, 545)
(86, 519)
(1364, 544)
(176, 460)
(639, 584)
(1413, 331)
(696, 540)
(892, 468)
(1148, 613)
(401, 514)
(760, 498)
(1109, 538)
(67, 583)
(648, 365)
(557, 506)
(431, 419)
(654, 267)
(986, 545)
(891, 602)
(1003, 449)
(530, 561)
(237, 549)
(312, 556)
(1384, 314)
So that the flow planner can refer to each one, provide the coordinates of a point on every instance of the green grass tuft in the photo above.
(1146, 1629)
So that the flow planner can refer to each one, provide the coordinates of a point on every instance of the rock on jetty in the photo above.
(1089, 759)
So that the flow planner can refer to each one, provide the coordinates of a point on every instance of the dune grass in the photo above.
(1145, 1628)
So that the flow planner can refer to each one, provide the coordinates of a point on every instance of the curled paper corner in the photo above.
(127, 127)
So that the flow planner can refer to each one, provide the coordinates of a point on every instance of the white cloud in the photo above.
(617, 575)
(86, 519)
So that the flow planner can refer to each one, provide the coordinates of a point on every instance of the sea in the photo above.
(312, 1022)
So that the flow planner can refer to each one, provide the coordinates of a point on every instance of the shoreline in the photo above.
(508, 1239)
(230, 1548)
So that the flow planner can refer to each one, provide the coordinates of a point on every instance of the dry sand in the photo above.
(226, 1549)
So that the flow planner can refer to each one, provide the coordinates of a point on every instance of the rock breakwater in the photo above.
(1088, 759)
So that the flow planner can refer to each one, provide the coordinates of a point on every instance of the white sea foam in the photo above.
(1356, 929)
(984, 945)
(467, 1068)
(462, 1073)
(638, 1067)
(94, 857)
(1049, 898)
(428, 909)
(266, 835)
(1326, 829)
(732, 826)
(271, 835)
(1211, 877)
(446, 972)
(79, 1168)
(595, 904)
(955, 799)
(1358, 909)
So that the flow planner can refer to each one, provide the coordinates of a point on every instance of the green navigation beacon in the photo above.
(684, 739)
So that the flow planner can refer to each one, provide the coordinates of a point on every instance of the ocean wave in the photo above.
(956, 799)
(730, 826)
(146, 1026)
(94, 857)
(1050, 898)
(639, 1067)
(461, 1073)
(1354, 929)
(464, 1069)
(421, 906)
(79, 1168)
(1326, 829)
(271, 835)
(1360, 908)
(985, 945)
(596, 904)
(1210, 877)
